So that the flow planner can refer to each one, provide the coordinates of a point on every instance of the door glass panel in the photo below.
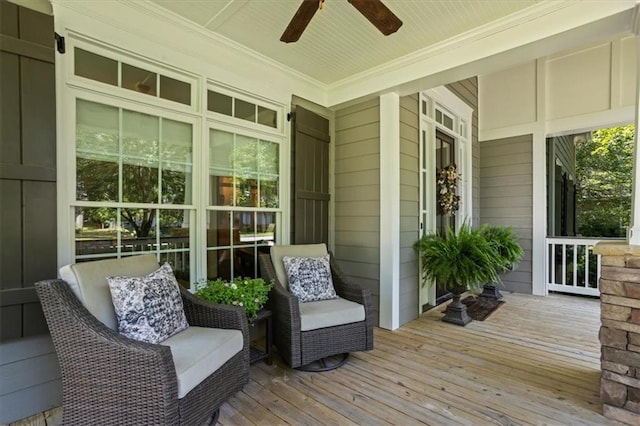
(445, 156)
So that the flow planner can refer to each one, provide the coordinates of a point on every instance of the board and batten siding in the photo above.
(467, 90)
(357, 195)
(506, 197)
(409, 206)
(30, 378)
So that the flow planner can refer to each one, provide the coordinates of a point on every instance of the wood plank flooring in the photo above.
(535, 361)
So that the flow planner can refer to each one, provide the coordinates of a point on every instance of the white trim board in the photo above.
(389, 211)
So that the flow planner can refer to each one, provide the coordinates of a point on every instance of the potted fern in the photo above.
(505, 242)
(458, 261)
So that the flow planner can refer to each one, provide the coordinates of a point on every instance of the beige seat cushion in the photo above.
(199, 351)
(301, 250)
(329, 313)
(88, 280)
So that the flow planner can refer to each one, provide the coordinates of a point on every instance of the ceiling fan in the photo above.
(376, 12)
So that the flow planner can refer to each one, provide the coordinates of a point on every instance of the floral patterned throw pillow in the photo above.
(310, 278)
(148, 308)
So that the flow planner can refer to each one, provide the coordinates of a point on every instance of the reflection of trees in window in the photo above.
(255, 163)
(153, 170)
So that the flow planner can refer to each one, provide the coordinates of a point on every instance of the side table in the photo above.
(257, 354)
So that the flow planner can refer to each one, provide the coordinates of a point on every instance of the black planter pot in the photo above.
(456, 312)
(491, 291)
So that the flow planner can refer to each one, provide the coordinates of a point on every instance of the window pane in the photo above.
(220, 150)
(175, 90)
(246, 192)
(267, 117)
(268, 157)
(138, 80)
(245, 110)
(243, 225)
(96, 230)
(245, 155)
(174, 242)
(221, 169)
(245, 162)
(179, 262)
(219, 235)
(269, 191)
(448, 122)
(217, 102)
(97, 152)
(266, 227)
(141, 227)
(95, 67)
(176, 156)
(140, 157)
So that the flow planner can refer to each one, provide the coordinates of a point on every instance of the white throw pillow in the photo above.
(148, 308)
(309, 278)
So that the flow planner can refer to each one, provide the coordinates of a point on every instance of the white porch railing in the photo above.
(571, 265)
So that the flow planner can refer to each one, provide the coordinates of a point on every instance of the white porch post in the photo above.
(390, 211)
(634, 229)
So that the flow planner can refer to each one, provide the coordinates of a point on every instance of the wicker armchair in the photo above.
(315, 349)
(109, 379)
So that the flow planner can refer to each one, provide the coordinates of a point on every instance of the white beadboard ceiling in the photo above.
(339, 42)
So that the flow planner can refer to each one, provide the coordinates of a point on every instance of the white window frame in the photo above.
(71, 87)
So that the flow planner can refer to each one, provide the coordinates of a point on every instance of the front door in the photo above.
(444, 156)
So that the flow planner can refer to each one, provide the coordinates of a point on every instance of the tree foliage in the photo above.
(604, 166)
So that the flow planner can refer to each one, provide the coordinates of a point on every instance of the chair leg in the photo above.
(325, 364)
(214, 418)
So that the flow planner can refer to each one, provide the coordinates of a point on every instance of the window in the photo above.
(133, 172)
(242, 109)
(145, 181)
(105, 70)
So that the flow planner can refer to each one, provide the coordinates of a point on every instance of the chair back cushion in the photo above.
(88, 280)
(299, 250)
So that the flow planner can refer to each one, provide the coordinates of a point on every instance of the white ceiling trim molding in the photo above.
(552, 20)
(185, 45)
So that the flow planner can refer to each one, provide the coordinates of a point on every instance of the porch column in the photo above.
(620, 331)
(634, 229)
(390, 211)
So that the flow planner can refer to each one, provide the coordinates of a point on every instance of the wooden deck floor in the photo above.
(534, 361)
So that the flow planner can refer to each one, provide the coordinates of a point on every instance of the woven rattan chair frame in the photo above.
(108, 379)
(299, 348)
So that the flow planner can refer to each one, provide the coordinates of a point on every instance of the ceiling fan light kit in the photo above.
(374, 10)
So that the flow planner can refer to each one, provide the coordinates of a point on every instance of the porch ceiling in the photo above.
(340, 44)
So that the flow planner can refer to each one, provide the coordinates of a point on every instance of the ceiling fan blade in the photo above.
(378, 14)
(300, 21)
